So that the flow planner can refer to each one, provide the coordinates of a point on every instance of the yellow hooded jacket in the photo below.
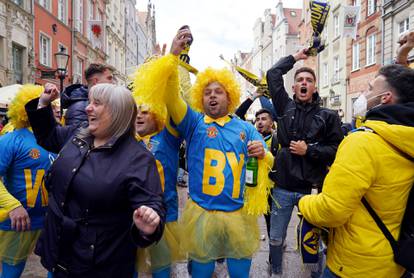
(367, 164)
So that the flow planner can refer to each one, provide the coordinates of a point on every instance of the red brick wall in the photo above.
(44, 21)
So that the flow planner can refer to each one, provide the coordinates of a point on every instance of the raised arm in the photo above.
(274, 77)
(177, 107)
(406, 43)
(48, 133)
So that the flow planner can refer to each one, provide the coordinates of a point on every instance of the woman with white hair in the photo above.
(104, 188)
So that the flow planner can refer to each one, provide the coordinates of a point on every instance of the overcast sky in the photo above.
(218, 26)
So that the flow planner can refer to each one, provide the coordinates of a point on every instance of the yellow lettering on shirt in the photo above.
(32, 190)
(236, 169)
(215, 171)
(161, 173)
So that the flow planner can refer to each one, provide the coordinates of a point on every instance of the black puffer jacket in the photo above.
(319, 127)
(93, 192)
(75, 100)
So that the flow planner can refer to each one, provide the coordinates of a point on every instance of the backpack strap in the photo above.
(374, 215)
(381, 225)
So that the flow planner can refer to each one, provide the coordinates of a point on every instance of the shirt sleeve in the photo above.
(7, 147)
(144, 189)
(347, 181)
(188, 123)
(7, 202)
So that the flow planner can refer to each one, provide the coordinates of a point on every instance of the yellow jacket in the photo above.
(367, 164)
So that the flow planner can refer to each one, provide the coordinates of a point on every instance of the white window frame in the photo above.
(336, 26)
(325, 74)
(47, 63)
(45, 4)
(405, 24)
(78, 70)
(355, 56)
(335, 77)
(63, 11)
(370, 49)
(357, 3)
(371, 7)
(91, 8)
(79, 16)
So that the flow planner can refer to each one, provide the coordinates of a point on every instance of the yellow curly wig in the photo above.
(149, 83)
(223, 76)
(17, 113)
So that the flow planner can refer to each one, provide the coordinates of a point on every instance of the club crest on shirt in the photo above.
(212, 132)
(34, 153)
(242, 136)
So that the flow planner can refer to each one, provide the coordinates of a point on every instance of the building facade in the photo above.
(88, 36)
(398, 18)
(53, 33)
(364, 55)
(131, 37)
(16, 42)
(305, 32)
(332, 71)
(115, 38)
(286, 40)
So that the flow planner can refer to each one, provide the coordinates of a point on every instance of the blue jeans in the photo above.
(327, 273)
(279, 221)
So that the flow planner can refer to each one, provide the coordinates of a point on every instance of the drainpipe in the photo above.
(72, 41)
(33, 68)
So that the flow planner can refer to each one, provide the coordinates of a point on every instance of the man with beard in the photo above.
(308, 135)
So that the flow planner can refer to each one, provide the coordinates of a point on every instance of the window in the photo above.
(62, 10)
(336, 69)
(355, 56)
(357, 3)
(17, 53)
(336, 26)
(45, 4)
(45, 51)
(371, 7)
(370, 49)
(79, 15)
(90, 17)
(2, 51)
(404, 26)
(77, 75)
(18, 2)
(325, 74)
(90, 10)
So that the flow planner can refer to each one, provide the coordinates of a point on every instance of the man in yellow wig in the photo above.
(220, 220)
(22, 165)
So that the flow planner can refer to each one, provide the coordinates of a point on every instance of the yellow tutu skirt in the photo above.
(210, 235)
(15, 247)
(162, 254)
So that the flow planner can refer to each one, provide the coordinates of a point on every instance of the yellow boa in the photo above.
(255, 198)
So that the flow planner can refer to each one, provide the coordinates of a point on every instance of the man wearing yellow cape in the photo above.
(220, 219)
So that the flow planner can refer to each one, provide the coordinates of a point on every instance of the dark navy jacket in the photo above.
(75, 100)
(93, 192)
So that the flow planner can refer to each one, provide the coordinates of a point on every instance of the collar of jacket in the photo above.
(398, 114)
(89, 141)
(220, 121)
(316, 99)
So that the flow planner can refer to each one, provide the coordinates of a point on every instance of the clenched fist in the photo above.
(146, 220)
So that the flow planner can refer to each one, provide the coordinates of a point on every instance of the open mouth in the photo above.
(92, 119)
(213, 103)
(303, 90)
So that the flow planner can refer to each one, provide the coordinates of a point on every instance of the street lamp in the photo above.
(62, 60)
